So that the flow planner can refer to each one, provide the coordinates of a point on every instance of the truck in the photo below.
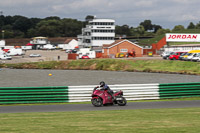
(1, 52)
(86, 51)
(13, 52)
(26, 47)
(5, 57)
(49, 47)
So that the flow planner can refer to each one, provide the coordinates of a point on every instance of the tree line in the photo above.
(22, 27)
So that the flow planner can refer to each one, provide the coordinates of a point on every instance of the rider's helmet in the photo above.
(102, 83)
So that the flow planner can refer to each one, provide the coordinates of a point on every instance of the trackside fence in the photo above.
(178, 90)
(12, 95)
(131, 92)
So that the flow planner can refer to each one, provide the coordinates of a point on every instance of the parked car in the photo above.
(166, 56)
(120, 55)
(5, 57)
(35, 55)
(74, 51)
(85, 57)
(165, 53)
(181, 56)
(196, 57)
(190, 56)
(190, 53)
(68, 51)
(175, 56)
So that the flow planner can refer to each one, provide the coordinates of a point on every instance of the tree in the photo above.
(52, 18)
(178, 28)
(156, 28)
(162, 31)
(34, 22)
(89, 17)
(18, 34)
(147, 25)
(191, 26)
(140, 29)
(71, 27)
(122, 30)
(22, 24)
(197, 26)
(8, 20)
(49, 28)
(8, 34)
(32, 32)
(2, 19)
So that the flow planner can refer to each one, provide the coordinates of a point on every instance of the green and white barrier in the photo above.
(11, 95)
(178, 90)
(140, 91)
(131, 92)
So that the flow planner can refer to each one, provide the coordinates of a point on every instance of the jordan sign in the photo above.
(182, 37)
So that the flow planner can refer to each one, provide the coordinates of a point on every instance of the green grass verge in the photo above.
(160, 66)
(151, 41)
(184, 120)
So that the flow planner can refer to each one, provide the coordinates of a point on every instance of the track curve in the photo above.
(89, 107)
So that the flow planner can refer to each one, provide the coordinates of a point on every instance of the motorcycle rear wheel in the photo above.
(122, 102)
(97, 102)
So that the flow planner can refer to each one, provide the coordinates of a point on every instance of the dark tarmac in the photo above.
(90, 107)
(37, 77)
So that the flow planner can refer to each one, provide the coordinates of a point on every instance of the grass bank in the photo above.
(160, 66)
(137, 121)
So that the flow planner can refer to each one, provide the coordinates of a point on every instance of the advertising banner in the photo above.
(176, 37)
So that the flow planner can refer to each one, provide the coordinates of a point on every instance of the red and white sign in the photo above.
(182, 37)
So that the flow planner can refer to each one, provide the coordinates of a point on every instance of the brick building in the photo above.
(121, 46)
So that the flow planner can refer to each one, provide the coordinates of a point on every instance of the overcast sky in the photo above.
(166, 13)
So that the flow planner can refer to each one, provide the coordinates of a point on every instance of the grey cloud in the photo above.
(131, 12)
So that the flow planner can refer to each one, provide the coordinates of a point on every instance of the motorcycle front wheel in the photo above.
(97, 102)
(122, 102)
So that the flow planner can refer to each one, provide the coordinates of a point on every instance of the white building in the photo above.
(39, 42)
(182, 48)
(97, 33)
(2, 43)
(70, 44)
(86, 51)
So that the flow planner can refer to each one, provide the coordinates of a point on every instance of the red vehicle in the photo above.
(102, 97)
(175, 56)
(85, 57)
(131, 53)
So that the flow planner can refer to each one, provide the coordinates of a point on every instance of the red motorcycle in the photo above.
(102, 97)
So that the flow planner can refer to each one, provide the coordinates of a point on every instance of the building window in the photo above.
(103, 38)
(123, 50)
(103, 31)
(102, 23)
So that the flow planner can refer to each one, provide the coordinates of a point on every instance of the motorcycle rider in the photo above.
(106, 87)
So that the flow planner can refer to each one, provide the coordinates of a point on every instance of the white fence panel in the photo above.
(131, 92)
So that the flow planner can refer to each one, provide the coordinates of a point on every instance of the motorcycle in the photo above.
(102, 97)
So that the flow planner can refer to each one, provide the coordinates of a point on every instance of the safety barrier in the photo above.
(83, 93)
(131, 92)
(178, 90)
(11, 95)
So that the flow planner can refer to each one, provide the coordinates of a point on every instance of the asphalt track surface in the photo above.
(34, 77)
(38, 77)
(90, 107)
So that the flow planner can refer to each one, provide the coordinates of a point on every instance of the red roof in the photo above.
(118, 42)
(29, 44)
